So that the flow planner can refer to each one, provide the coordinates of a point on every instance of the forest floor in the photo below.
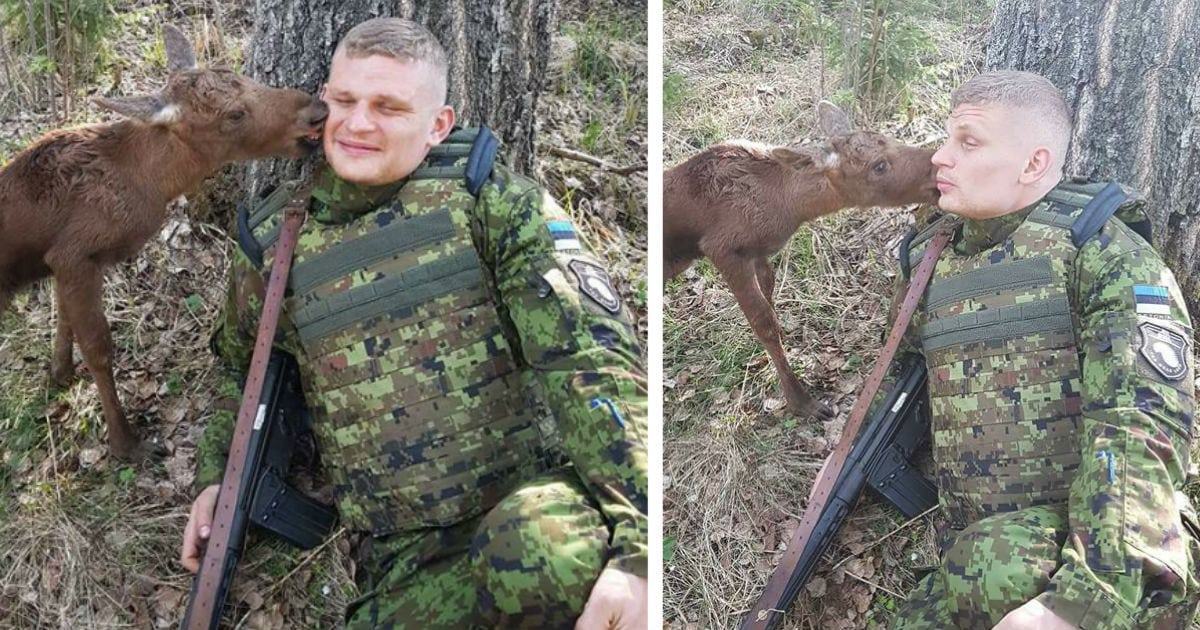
(737, 466)
(88, 542)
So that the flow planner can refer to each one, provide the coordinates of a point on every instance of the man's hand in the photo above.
(1034, 616)
(618, 601)
(199, 526)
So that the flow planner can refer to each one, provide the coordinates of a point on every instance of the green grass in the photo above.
(602, 69)
(705, 132)
(22, 434)
(675, 91)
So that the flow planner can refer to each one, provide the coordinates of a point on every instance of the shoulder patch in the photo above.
(1151, 299)
(1165, 350)
(594, 283)
(564, 235)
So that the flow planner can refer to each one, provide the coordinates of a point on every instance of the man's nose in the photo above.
(941, 157)
(360, 118)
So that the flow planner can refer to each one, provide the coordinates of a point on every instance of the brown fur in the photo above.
(79, 200)
(737, 203)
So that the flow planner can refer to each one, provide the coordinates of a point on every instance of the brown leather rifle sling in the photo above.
(206, 600)
(771, 606)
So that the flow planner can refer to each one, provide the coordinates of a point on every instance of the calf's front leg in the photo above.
(79, 290)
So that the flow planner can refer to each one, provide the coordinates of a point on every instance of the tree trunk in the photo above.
(1129, 71)
(498, 56)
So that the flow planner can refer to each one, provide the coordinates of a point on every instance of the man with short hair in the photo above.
(476, 386)
(1058, 347)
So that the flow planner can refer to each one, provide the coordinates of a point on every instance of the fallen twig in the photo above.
(580, 156)
(308, 558)
(870, 583)
(889, 535)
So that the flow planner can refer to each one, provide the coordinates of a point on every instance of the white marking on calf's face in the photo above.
(832, 160)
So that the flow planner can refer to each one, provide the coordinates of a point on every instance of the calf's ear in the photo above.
(150, 109)
(832, 120)
(179, 50)
(820, 157)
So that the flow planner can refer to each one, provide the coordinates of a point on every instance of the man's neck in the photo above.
(1034, 193)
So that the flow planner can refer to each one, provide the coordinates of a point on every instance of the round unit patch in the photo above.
(1165, 350)
(594, 282)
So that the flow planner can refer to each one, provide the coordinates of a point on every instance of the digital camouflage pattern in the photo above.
(529, 563)
(447, 353)
(1059, 447)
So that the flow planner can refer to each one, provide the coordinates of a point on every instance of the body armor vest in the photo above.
(998, 334)
(419, 407)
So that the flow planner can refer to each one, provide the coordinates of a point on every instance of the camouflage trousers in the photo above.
(997, 564)
(530, 562)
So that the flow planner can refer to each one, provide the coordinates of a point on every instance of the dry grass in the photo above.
(737, 467)
(86, 542)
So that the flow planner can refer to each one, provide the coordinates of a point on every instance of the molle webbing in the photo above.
(440, 163)
(913, 239)
(1006, 322)
(410, 289)
(1054, 214)
(382, 243)
(998, 336)
(273, 203)
(422, 407)
(1014, 275)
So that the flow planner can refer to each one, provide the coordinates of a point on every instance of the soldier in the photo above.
(476, 385)
(1059, 353)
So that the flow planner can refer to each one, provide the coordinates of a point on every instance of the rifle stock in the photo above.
(880, 458)
(265, 499)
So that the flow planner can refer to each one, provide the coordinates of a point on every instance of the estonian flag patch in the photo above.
(563, 234)
(1151, 300)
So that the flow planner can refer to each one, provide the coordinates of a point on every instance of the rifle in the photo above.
(880, 458)
(264, 498)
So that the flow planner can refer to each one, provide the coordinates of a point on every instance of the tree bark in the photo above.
(1130, 72)
(498, 56)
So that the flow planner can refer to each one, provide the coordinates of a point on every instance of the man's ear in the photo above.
(443, 123)
(1038, 166)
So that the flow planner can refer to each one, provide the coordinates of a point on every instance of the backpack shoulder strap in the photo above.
(478, 145)
(258, 229)
(1097, 212)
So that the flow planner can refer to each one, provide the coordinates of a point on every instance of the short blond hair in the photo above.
(400, 39)
(1025, 91)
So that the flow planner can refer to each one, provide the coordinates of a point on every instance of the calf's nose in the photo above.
(318, 112)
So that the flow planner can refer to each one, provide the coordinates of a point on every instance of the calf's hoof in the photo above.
(138, 452)
(61, 378)
(802, 405)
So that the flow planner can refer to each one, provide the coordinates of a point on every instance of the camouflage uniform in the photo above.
(476, 390)
(1061, 398)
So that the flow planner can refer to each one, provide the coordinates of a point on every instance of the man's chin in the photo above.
(356, 171)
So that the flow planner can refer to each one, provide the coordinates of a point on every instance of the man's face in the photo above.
(384, 116)
(979, 165)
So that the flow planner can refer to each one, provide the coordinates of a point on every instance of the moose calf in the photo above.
(738, 203)
(80, 200)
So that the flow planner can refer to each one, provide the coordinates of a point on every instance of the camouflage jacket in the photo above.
(1129, 410)
(585, 358)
